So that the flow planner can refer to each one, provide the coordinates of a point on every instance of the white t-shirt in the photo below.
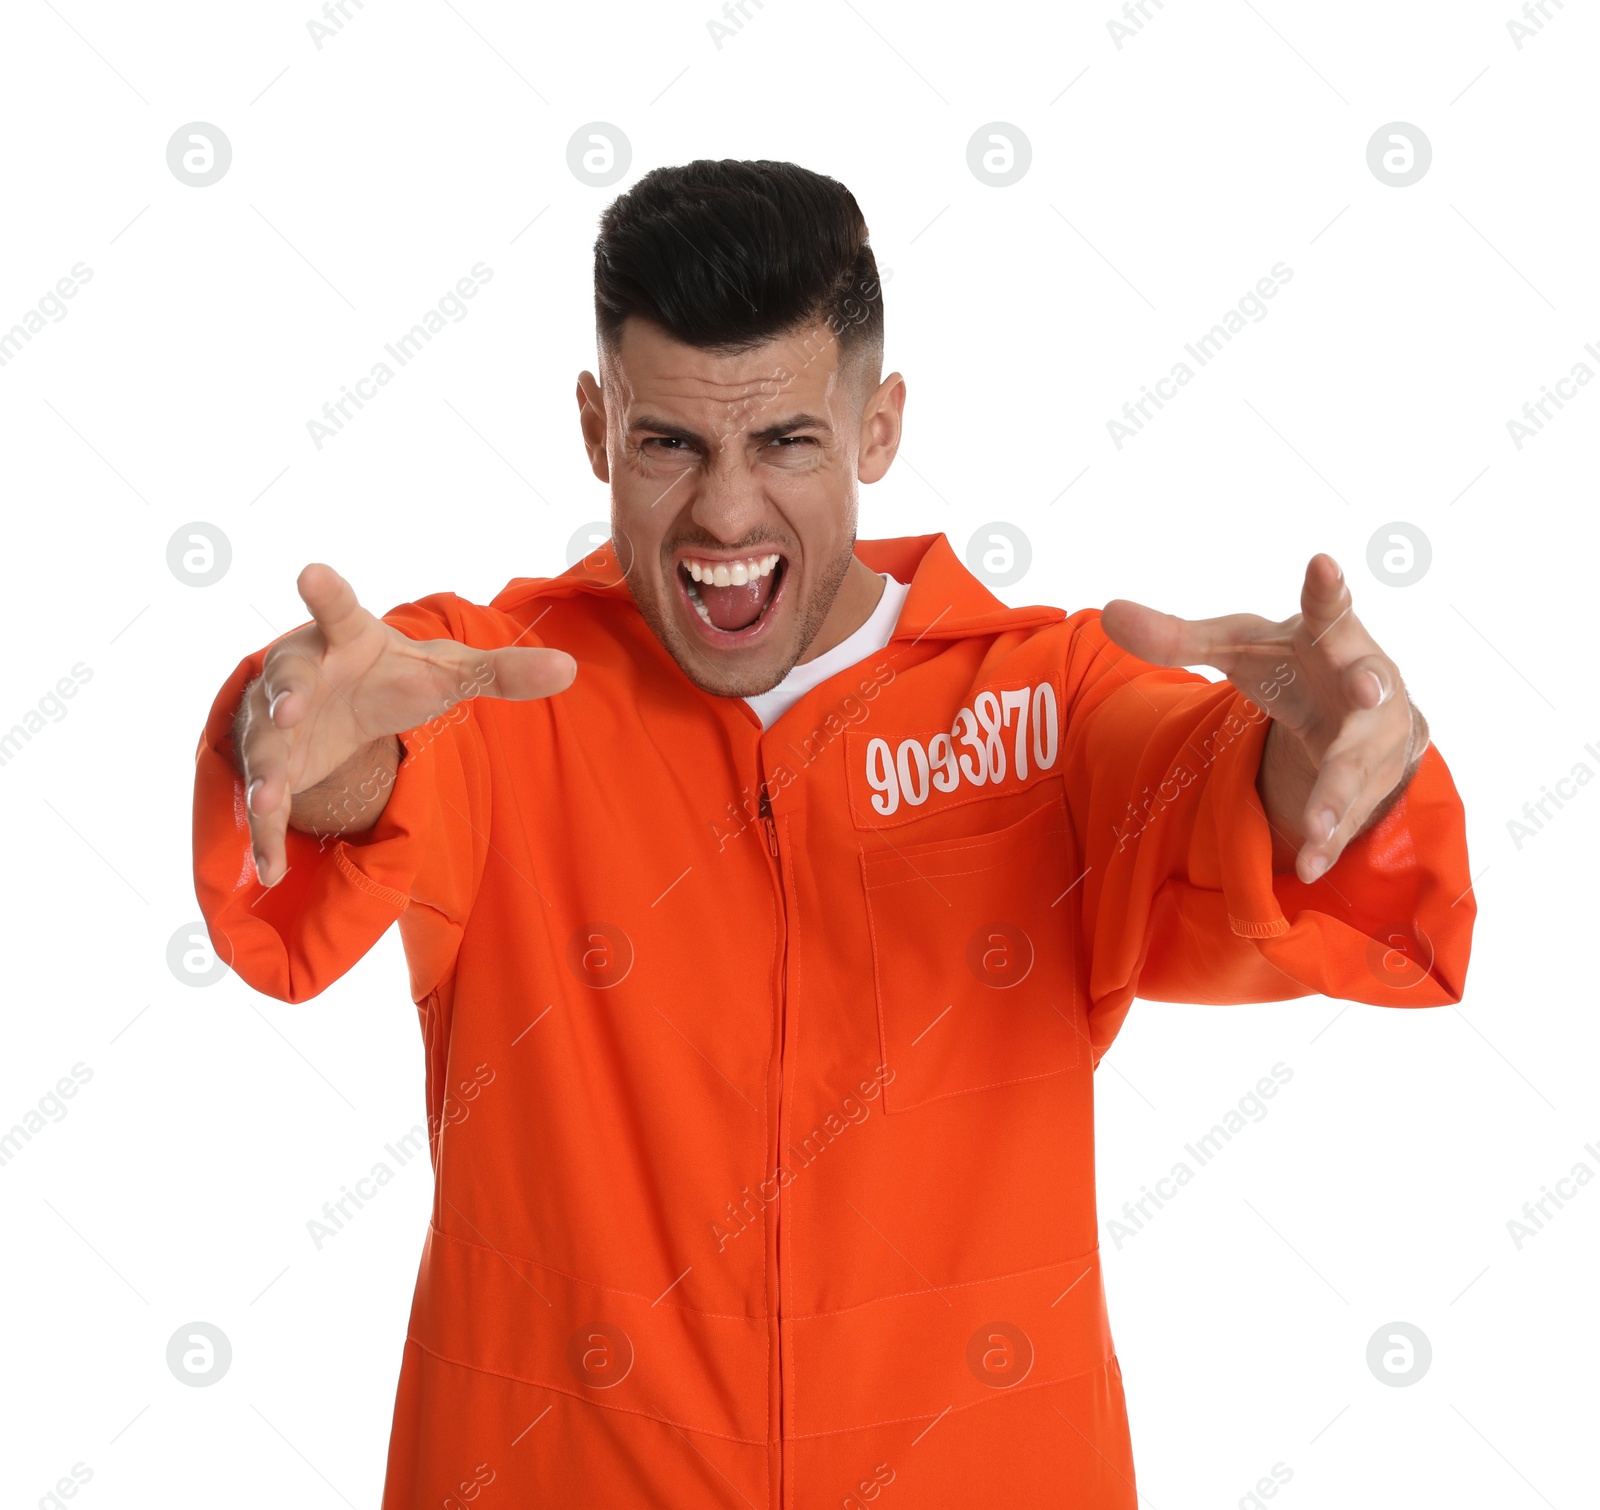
(870, 638)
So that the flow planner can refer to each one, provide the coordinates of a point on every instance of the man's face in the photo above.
(733, 493)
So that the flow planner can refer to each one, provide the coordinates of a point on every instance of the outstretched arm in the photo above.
(1209, 876)
(1345, 737)
(319, 724)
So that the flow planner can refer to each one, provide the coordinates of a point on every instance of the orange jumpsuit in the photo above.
(759, 1064)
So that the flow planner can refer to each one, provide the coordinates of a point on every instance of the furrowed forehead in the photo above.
(799, 371)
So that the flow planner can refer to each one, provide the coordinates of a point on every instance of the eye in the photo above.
(786, 441)
(671, 441)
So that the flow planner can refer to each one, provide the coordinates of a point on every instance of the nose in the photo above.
(727, 498)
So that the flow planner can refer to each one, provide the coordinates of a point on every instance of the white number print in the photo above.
(973, 751)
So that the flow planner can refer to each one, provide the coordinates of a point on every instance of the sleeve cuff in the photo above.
(1389, 923)
(1239, 834)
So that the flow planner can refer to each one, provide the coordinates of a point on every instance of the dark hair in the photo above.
(725, 255)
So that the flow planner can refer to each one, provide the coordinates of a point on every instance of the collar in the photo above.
(946, 601)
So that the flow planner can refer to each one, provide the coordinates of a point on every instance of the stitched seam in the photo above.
(964, 1284)
(572, 1394)
(1248, 929)
(989, 1085)
(839, 1431)
(1055, 822)
(1000, 837)
(576, 1279)
(785, 1228)
(877, 975)
(781, 917)
(940, 875)
(955, 802)
(365, 883)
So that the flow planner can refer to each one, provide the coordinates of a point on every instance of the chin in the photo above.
(744, 673)
(730, 680)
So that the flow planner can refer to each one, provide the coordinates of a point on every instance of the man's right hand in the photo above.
(332, 696)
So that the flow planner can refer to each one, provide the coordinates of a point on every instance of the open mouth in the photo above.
(732, 598)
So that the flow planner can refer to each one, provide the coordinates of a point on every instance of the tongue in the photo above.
(736, 607)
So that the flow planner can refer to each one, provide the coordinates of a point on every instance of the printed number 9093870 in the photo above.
(974, 750)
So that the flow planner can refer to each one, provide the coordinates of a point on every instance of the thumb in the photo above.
(521, 672)
(1160, 638)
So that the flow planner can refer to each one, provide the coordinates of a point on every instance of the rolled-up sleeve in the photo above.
(1180, 900)
(420, 863)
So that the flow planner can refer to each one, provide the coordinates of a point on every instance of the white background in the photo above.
(1167, 176)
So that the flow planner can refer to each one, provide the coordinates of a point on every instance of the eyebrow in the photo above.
(780, 427)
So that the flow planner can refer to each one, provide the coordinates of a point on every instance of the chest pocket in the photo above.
(973, 944)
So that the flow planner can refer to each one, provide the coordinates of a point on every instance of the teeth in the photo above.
(732, 573)
(724, 574)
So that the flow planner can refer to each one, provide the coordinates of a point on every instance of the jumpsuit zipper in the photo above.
(770, 828)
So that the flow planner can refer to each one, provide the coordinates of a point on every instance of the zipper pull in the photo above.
(764, 807)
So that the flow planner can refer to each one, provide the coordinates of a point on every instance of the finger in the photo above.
(288, 680)
(525, 671)
(264, 758)
(1164, 639)
(1358, 771)
(1325, 595)
(513, 672)
(332, 602)
(1339, 645)
(1326, 608)
(1370, 680)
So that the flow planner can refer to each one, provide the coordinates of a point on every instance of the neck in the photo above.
(858, 595)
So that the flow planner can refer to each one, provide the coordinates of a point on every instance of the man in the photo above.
(769, 898)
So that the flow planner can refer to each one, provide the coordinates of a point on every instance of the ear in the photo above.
(592, 421)
(880, 427)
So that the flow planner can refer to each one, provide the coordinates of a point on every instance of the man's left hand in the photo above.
(1345, 737)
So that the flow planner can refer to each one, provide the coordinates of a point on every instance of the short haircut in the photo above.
(726, 255)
